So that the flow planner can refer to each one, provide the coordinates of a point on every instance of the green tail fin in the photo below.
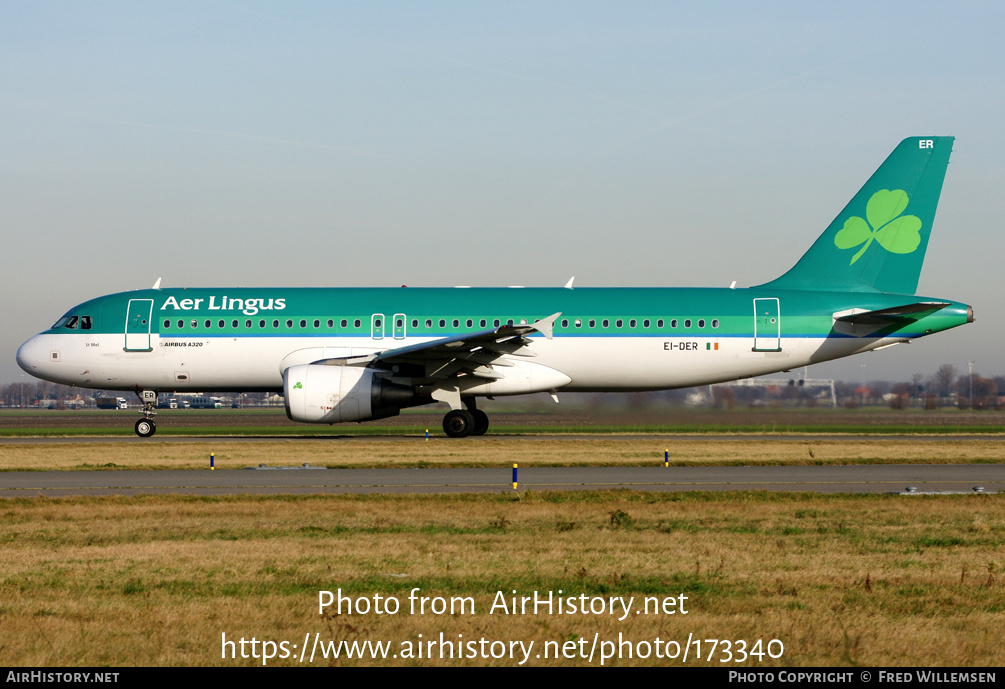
(878, 242)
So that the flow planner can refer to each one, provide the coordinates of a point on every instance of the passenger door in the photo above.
(138, 324)
(767, 325)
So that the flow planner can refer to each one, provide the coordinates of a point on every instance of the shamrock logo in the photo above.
(298, 386)
(895, 232)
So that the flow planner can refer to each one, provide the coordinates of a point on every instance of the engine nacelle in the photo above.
(318, 393)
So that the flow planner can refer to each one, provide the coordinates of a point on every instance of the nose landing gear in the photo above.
(146, 427)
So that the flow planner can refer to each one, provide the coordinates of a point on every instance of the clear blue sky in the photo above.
(441, 143)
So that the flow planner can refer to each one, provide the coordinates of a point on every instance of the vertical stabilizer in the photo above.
(878, 242)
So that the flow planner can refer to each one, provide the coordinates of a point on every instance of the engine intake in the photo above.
(318, 393)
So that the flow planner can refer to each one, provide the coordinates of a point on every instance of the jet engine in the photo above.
(319, 393)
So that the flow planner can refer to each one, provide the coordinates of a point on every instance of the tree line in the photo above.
(948, 386)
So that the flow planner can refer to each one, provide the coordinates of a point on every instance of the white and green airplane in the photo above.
(355, 354)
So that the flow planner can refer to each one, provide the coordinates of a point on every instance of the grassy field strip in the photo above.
(534, 451)
(840, 580)
(586, 429)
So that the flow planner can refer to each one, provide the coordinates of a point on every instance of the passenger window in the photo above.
(579, 323)
(565, 322)
(356, 323)
(235, 323)
(181, 324)
(659, 323)
(593, 323)
(443, 323)
(167, 324)
(619, 323)
(631, 323)
(317, 323)
(471, 323)
(275, 322)
(345, 323)
(701, 322)
(399, 323)
(303, 322)
(289, 322)
(456, 323)
(247, 324)
(429, 322)
(687, 322)
(195, 323)
(208, 324)
(331, 323)
(645, 323)
(606, 323)
(496, 323)
(261, 324)
(85, 322)
(673, 323)
(715, 322)
(415, 322)
(221, 323)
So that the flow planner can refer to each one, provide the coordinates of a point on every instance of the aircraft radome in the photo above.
(354, 354)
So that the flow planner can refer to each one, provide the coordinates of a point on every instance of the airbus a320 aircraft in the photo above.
(346, 354)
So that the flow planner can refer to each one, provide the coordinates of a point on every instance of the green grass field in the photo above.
(670, 421)
(838, 580)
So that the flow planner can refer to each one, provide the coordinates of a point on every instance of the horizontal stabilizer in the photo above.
(895, 314)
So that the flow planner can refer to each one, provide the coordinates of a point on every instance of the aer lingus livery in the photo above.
(345, 354)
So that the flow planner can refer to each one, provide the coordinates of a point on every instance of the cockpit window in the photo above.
(60, 323)
(85, 322)
(71, 323)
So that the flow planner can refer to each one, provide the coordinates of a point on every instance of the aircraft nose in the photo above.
(29, 356)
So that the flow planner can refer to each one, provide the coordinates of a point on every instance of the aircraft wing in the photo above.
(471, 353)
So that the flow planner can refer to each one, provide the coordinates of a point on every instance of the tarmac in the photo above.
(295, 479)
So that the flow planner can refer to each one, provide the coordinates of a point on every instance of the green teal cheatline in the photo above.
(357, 354)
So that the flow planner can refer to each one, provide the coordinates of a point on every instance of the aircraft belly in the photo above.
(182, 364)
(599, 364)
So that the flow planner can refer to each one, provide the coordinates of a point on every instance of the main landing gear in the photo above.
(460, 423)
(146, 427)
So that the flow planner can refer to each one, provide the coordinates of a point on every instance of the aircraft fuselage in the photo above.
(605, 339)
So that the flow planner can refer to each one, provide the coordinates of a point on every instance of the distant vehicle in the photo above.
(206, 403)
(111, 403)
